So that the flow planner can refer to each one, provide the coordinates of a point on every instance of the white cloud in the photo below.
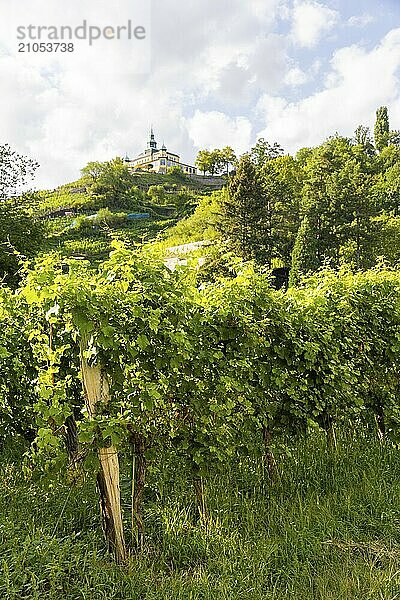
(295, 77)
(360, 20)
(209, 60)
(65, 110)
(215, 130)
(310, 20)
(269, 9)
(269, 61)
(359, 82)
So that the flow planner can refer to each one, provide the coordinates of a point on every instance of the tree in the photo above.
(228, 156)
(217, 161)
(386, 189)
(21, 237)
(394, 138)
(386, 236)
(382, 131)
(203, 161)
(15, 171)
(282, 181)
(262, 209)
(362, 137)
(157, 194)
(111, 182)
(184, 201)
(213, 161)
(262, 152)
(305, 257)
(93, 170)
(177, 174)
(243, 212)
(337, 199)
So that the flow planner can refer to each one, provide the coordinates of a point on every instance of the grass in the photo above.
(94, 243)
(328, 529)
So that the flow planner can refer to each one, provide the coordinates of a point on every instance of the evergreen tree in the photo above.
(305, 258)
(261, 210)
(282, 180)
(243, 213)
(382, 129)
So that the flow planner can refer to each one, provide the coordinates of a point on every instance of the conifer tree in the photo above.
(282, 183)
(305, 255)
(382, 130)
(243, 213)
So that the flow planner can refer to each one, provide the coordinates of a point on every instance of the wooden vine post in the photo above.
(198, 484)
(269, 457)
(138, 482)
(96, 389)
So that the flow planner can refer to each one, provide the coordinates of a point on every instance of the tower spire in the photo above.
(152, 143)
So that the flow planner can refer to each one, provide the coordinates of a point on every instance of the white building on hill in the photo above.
(158, 160)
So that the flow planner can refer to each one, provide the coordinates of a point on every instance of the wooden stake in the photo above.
(139, 467)
(97, 390)
(198, 484)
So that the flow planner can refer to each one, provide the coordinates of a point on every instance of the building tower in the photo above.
(152, 144)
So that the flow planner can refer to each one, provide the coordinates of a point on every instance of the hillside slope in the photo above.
(80, 222)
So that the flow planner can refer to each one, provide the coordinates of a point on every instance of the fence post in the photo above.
(96, 389)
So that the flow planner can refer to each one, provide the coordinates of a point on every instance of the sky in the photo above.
(209, 73)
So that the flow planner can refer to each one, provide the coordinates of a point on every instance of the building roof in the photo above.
(154, 153)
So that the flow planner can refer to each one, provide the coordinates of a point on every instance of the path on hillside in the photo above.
(173, 261)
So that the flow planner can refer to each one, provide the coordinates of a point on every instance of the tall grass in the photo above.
(329, 528)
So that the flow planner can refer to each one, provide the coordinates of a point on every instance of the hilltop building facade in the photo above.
(158, 160)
